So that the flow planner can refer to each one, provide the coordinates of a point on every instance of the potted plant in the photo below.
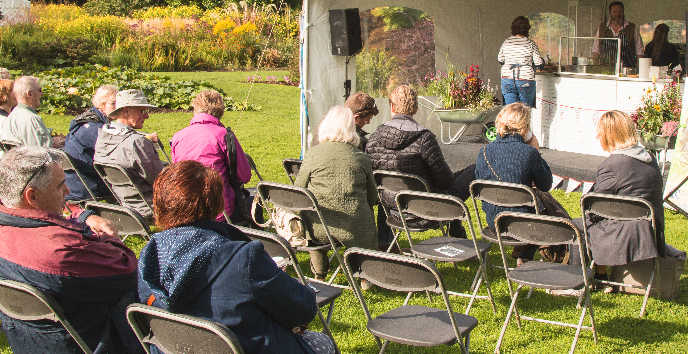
(463, 97)
(657, 118)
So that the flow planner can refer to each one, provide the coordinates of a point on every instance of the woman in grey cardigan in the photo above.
(341, 178)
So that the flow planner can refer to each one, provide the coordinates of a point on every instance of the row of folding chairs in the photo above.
(543, 231)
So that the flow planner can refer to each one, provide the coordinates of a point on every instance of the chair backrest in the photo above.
(291, 167)
(176, 333)
(116, 176)
(394, 181)
(68, 166)
(541, 230)
(442, 208)
(26, 303)
(127, 220)
(504, 194)
(7, 145)
(288, 196)
(617, 207)
(275, 246)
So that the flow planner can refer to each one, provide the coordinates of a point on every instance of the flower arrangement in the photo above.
(659, 111)
(460, 90)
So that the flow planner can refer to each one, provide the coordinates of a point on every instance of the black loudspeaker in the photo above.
(345, 31)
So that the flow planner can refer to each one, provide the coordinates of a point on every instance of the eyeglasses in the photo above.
(39, 169)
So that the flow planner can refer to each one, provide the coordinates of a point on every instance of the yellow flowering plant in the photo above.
(659, 111)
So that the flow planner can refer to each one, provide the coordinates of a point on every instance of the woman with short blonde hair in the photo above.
(404, 100)
(616, 130)
(513, 119)
(340, 176)
(630, 170)
(514, 157)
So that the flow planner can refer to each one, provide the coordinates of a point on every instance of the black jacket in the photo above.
(630, 172)
(403, 145)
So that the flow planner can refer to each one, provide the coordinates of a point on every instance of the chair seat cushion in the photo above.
(420, 326)
(545, 275)
(325, 294)
(490, 235)
(443, 248)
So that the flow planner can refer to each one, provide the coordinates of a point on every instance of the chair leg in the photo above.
(588, 302)
(483, 268)
(648, 289)
(330, 311)
(475, 292)
(578, 329)
(384, 346)
(508, 317)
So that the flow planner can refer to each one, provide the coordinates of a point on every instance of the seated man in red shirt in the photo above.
(80, 261)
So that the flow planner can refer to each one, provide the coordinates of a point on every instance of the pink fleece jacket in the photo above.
(204, 141)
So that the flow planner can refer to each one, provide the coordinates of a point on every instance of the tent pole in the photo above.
(305, 24)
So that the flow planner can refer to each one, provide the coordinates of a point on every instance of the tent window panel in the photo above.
(386, 61)
(545, 30)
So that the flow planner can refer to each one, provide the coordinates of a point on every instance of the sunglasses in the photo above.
(39, 169)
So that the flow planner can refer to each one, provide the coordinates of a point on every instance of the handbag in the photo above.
(286, 224)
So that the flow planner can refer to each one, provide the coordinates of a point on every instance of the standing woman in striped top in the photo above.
(519, 57)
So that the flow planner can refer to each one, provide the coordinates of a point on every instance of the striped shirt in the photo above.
(517, 50)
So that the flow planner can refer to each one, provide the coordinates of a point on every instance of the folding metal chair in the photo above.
(503, 194)
(408, 324)
(7, 145)
(282, 253)
(444, 209)
(114, 175)
(297, 200)
(176, 333)
(128, 221)
(544, 231)
(291, 167)
(24, 302)
(68, 166)
(389, 183)
(621, 208)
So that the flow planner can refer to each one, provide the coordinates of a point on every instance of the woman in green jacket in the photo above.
(340, 176)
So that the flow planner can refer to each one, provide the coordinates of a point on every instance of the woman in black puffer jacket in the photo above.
(403, 145)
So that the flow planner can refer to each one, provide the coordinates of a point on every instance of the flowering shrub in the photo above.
(184, 11)
(659, 111)
(239, 36)
(71, 89)
(457, 89)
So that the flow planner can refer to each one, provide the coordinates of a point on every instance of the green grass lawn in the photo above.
(272, 134)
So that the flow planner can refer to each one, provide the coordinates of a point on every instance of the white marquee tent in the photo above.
(466, 32)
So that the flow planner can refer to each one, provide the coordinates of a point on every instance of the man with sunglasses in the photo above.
(120, 144)
(79, 261)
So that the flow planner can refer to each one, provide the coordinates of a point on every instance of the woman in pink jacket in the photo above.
(204, 141)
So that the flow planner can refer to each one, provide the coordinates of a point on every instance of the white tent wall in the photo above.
(466, 32)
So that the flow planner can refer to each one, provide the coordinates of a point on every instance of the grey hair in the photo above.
(16, 168)
(338, 126)
(102, 93)
(4, 74)
(24, 84)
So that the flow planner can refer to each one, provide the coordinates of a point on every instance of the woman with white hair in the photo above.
(81, 141)
(340, 176)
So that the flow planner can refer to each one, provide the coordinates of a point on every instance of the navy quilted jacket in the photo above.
(513, 161)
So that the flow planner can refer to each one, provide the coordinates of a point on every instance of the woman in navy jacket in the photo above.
(204, 268)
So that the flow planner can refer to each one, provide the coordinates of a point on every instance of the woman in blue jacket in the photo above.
(204, 268)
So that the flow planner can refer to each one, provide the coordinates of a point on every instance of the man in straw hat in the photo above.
(120, 144)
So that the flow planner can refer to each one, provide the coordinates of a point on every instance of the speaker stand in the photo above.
(347, 82)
